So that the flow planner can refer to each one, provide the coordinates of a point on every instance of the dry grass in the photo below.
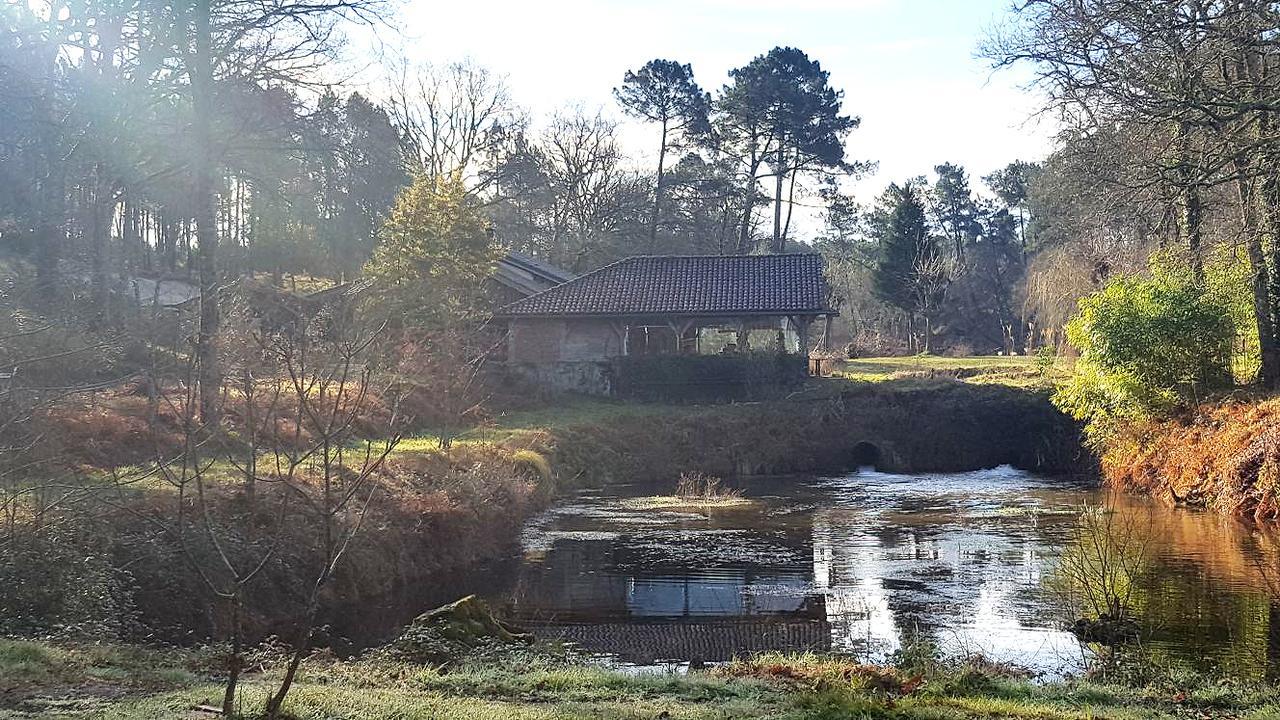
(699, 486)
(1224, 456)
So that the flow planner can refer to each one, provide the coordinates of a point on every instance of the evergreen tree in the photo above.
(664, 92)
(910, 273)
(781, 111)
(435, 253)
(1012, 185)
(954, 207)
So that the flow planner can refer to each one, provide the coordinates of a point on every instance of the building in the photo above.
(737, 320)
(517, 276)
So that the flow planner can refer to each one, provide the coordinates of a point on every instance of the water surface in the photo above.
(868, 562)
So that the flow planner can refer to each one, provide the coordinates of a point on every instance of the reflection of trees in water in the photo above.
(928, 567)
(889, 570)
(566, 584)
(729, 564)
(1099, 566)
(1190, 621)
(1204, 593)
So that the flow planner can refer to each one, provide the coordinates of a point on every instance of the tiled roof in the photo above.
(688, 285)
(537, 267)
(526, 274)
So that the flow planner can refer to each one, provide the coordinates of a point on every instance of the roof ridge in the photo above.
(712, 257)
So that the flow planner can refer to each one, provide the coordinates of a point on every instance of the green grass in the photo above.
(133, 684)
(1016, 370)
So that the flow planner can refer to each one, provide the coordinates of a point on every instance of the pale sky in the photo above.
(907, 67)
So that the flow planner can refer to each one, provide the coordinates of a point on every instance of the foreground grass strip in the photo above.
(343, 702)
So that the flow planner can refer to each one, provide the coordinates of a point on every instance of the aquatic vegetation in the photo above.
(702, 487)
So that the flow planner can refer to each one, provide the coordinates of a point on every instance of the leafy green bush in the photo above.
(1147, 345)
(1046, 357)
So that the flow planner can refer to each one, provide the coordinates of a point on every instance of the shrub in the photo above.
(698, 486)
(1146, 346)
(1046, 357)
(58, 583)
(533, 462)
(708, 377)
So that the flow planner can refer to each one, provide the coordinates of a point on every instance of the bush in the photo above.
(59, 583)
(1146, 346)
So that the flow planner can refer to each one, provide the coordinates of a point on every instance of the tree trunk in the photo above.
(1271, 203)
(748, 206)
(778, 178)
(791, 205)
(49, 236)
(1245, 186)
(98, 238)
(1190, 209)
(52, 196)
(205, 215)
(302, 645)
(236, 662)
(657, 191)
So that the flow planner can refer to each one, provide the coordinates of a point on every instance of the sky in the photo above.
(907, 67)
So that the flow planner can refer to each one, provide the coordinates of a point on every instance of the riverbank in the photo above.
(40, 680)
(1223, 455)
(920, 414)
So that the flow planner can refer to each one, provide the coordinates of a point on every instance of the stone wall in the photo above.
(592, 378)
(572, 355)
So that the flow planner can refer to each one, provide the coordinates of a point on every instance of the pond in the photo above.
(871, 562)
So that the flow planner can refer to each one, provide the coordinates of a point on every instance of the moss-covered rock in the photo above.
(456, 631)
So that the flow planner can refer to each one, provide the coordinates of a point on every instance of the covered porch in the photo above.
(675, 335)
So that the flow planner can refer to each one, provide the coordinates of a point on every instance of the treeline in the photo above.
(120, 142)
(935, 266)
(120, 123)
(1161, 206)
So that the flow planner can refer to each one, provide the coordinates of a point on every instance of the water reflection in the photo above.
(863, 563)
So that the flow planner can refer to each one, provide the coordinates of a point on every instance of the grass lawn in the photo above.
(1014, 370)
(43, 681)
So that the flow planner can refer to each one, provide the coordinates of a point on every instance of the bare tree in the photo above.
(328, 469)
(453, 118)
(594, 194)
(226, 550)
(932, 272)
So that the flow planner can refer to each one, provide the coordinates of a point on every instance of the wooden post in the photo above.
(680, 329)
(620, 329)
(802, 334)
